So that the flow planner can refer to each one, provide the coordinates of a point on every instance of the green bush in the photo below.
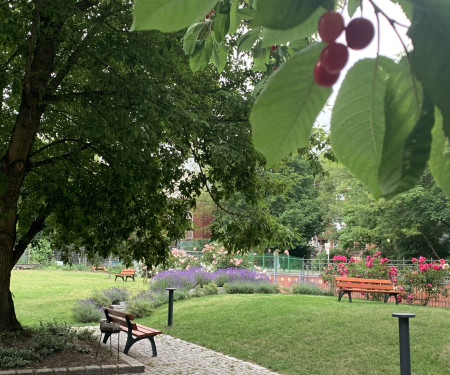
(100, 298)
(180, 295)
(210, 288)
(13, 357)
(246, 287)
(87, 311)
(116, 295)
(140, 308)
(303, 288)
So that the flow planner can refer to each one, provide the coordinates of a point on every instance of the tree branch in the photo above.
(37, 226)
(429, 244)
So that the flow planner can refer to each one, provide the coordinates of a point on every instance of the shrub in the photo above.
(248, 287)
(140, 307)
(180, 279)
(100, 299)
(87, 311)
(230, 275)
(13, 357)
(303, 288)
(210, 288)
(116, 295)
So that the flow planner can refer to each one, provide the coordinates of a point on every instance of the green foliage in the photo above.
(116, 295)
(13, 357)
(247, 287)
(85, 311)
(303, 288)
(100, 299)
(140, 307)
(381, 125)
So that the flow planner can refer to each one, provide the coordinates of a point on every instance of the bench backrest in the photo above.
(358, 283)
(128, 271)
(120, 317)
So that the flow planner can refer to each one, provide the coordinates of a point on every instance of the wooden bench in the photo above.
(125, 274)
(98, 268)
(347, 285)
(135, 332)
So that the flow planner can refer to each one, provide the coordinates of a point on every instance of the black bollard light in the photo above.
(170, 317)
(403, 331)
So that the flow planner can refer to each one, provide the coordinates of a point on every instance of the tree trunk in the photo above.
(8, 320)
(38, 69)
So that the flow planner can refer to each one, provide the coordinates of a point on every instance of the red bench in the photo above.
(347, 285)
(125, 274)
(135, 332)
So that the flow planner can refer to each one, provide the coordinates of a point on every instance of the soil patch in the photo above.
(68, 357)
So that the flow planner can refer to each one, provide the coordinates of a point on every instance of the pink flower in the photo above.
(422, 259)
(214, 262)
(429, 286)
(442, 261)
(414, 260)
(286, 252)
(369, 264)
(437, 267)
(384, 260)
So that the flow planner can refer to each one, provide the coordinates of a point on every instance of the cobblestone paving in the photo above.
(178, 357)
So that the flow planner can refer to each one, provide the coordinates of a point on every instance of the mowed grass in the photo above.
(48, 295)
(295, 334)
(291, 334)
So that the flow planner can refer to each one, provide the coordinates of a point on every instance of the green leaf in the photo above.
(286, 14)
(284, 113)
(222, 22)
(246, 41)
(261, 57)
(401, 165)
(406, 6)
(430, 34)
(202, 54)
(440, 154)
(190, 37)
(219, 56)
(352, 7)
(169, 15)
(357, 121)
(235, 20)
(305, 29)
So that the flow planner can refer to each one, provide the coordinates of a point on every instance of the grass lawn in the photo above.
(295, 334)
(291, 334)
(48, 295)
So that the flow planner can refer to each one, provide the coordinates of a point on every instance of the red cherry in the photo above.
(331, 25)
(323, 77)
(273, 47)
(359, 33)
(334, 57)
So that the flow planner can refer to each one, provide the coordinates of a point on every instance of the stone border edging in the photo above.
(132, 366)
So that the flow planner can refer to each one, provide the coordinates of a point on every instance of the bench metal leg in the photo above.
(131, 341)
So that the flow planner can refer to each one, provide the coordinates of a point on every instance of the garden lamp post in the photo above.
(403, 330)
(170, 314)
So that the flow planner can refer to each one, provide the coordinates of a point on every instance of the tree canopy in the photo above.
(97, 127)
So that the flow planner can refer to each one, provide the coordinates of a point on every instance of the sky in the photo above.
(390, 45)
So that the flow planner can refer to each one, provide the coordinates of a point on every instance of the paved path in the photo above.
(178, 357)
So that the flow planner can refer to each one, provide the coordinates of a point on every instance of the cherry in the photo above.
(209, 15)
(359, 33)
(273, 47)
(323, 77)
(334, 57)
(331, 25)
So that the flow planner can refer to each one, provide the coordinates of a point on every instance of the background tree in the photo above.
(97, 124)
(415, 223)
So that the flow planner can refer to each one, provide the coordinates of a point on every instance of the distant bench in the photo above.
(135, 332)
(27, 266)
(347, 285)
(125, 274)
(98, 268)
